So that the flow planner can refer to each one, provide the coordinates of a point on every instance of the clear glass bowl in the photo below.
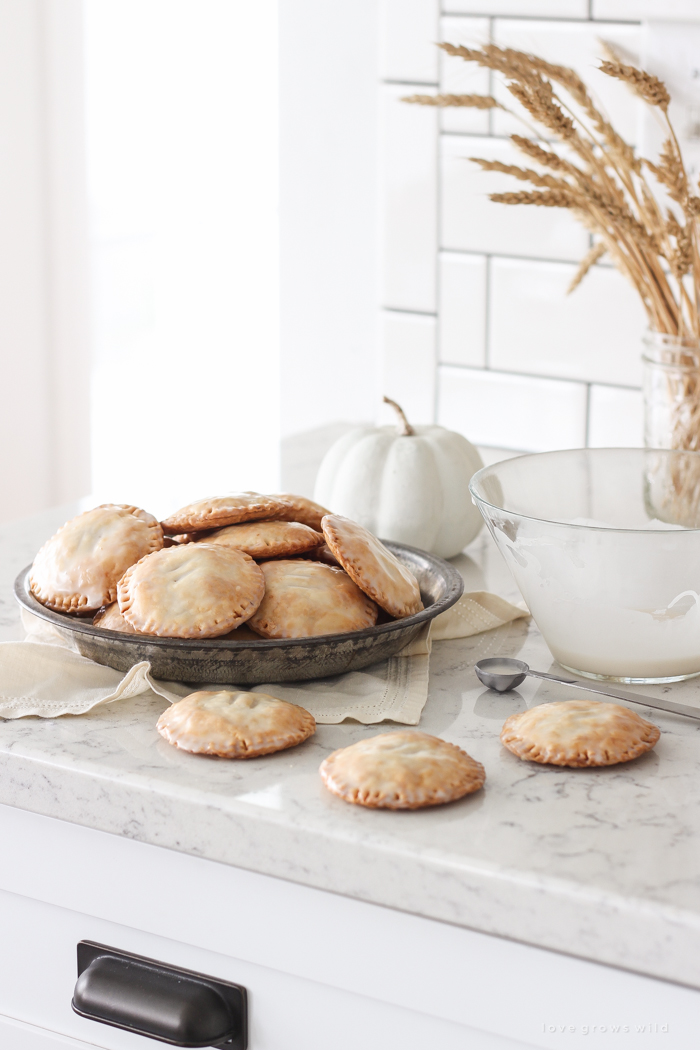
(604, 545)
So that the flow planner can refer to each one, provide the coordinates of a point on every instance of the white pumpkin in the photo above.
(408, 484)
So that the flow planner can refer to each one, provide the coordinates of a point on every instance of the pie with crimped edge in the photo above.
(110, 619)
(303, 510)
(267, 539)
(374, 569)
(78, 569)
(234, 724)
(578, 733)
(305, 598)
(218, 511)
(324, 554)
(136, 511)
(192, 591)
(401, 770)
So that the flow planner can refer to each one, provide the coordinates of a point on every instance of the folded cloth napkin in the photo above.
(45, 675)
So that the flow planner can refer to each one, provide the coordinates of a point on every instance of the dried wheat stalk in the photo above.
(468, 101)
(648, 229)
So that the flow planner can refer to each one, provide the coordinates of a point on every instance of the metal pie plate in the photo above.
(229, 662)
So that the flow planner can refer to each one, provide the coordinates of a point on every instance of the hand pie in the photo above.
(191, 591)
(110, 619)
(188, 537)
(326, 555)
(304, 598)
(303, 510)
(224, 510)
(234, 725)
(136, 511)
(374, 569)
(78, 569)
(578, 733)
(402, 770)
(240, 634)
(267, 539)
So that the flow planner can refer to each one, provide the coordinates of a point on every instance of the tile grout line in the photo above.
(544, 18)
(491, 84)
(487, 315)
(407, 310)
(437, 157)
(541, 375)
(516, 258)
(410, 83)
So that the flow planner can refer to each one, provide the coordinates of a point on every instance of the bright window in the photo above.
(182, 174)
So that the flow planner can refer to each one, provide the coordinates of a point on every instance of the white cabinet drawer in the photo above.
(323, 972)
(38, 973)
(16, 1035)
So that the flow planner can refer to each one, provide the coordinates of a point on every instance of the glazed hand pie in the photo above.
(374, 569)
(136, 511)
(303, 510)
(325, 554)
(78, 569)
(110, 619)
(304, 598)
(234, 725)
(192, 591)
(402, 770)
(267, 539)
(225, 510)
(578, 733)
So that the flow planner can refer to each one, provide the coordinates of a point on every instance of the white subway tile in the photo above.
(409, 197)
(594, 334)
(511, 411)
(458, 77)
(660, 10)
(471, 222)
(532, 8)
(408, 363)
(462, 309)
(576, 45)
(408, 33)
(615, 418)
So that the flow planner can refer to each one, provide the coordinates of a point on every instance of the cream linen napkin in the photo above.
(46, 676)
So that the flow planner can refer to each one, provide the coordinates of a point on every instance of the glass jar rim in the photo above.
(677, 352)
(668, 339)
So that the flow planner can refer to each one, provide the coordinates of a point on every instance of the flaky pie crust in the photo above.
(401, 770)
(578, 733)
(232, 724)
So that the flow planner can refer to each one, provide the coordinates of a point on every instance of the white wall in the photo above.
(479, 334)
(44, 354)
(328, 211)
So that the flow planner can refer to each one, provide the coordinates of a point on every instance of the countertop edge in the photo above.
(634, 934)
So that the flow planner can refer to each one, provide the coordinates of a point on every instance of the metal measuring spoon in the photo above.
(502, 674)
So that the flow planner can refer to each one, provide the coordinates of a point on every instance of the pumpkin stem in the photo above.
(405, 428)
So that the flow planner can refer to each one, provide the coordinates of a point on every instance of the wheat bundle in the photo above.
(648, 228)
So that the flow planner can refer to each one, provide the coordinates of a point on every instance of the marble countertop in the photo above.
(601, 863)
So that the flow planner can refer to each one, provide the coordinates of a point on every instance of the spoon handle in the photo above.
(624, 694)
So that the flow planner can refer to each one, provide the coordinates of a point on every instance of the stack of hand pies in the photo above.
(287, 568)
(282, 565)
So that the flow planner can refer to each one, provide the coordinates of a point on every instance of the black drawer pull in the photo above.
(163, 1002)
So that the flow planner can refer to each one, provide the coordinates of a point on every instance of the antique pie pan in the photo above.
(229, 662)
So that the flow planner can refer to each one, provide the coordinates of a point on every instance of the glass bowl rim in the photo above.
(572, 525)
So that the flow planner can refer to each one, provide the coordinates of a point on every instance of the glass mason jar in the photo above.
(671, 391)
